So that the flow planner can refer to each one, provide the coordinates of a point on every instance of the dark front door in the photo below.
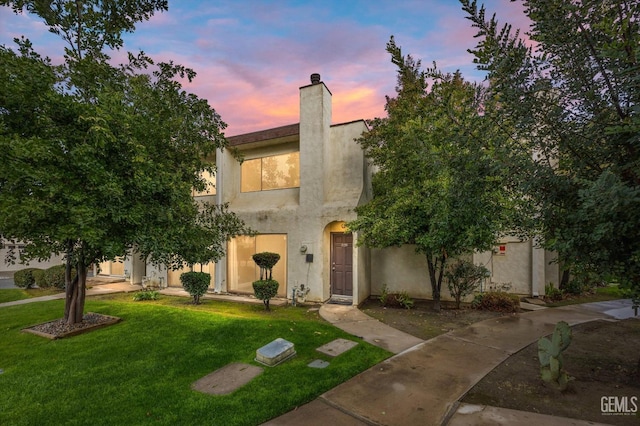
(341, 264)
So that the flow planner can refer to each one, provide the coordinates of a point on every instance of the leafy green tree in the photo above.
(569, 102)
(437, 185)
(101, 160)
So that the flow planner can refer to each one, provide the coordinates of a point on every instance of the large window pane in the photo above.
(173, 277)
(281, 171)
(243, 270)
(274, 172)
(250, 179)
(211, 185)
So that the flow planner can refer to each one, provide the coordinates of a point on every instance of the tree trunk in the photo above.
(436, 272)
(564, 281)
(75, 293)
(435, 287)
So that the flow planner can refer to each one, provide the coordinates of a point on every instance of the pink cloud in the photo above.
(252, 60)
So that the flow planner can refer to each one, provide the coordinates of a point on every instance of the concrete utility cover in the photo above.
(336, 347)
(227, 379)
(318, 363)
(275, 352)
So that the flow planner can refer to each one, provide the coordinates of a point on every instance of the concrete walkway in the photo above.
(423, 384)
(99, 287)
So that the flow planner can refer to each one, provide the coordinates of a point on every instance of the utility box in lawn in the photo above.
(275, 352)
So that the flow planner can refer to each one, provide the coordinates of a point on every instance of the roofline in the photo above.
(275, 133)
(263, 135)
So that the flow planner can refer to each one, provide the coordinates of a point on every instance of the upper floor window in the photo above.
(210, 178)
(274, 172)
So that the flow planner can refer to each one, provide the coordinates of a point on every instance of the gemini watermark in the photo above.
(619, 405)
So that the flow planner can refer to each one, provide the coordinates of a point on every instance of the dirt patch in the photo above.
(59, 329)
(422, 321)
(604, 359)
(227, 379)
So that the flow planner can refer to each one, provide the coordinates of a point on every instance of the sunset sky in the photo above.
(252, 56)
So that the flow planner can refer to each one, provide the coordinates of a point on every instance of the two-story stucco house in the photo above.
(297, 187)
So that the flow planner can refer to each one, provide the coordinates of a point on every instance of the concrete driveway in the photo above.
(6, 280)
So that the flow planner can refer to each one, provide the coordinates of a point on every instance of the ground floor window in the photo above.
(173, 277)
(113, 268)
(242, 270)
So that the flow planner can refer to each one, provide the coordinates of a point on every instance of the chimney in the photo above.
(315, 131)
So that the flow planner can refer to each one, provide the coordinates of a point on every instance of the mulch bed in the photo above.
(59, 329)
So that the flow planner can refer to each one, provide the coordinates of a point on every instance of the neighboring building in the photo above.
(7, 247)
(297, 186)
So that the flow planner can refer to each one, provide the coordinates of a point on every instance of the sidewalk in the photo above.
(105, 287)
(423, 384)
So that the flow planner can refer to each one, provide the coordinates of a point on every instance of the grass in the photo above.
(140, 370)
(13, 294)
(602, 294)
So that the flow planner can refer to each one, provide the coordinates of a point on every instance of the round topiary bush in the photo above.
(265, 290)
(25, 278)
(266, 261)
(54, 276)
(38, 275)
(196, 284)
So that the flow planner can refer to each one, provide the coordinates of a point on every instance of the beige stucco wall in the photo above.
(524, 268)
(400, 269)
(331, 185)
(8, 267)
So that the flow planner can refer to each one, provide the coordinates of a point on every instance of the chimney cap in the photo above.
(315, 78)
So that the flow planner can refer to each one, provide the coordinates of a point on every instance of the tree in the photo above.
(101, 160)
(463, 277)
(569, 102)
(437, 185)
(266, 287)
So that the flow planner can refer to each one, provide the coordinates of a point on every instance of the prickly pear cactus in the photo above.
(550, 356)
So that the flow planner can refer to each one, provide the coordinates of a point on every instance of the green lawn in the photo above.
(12, 294)
(602, 294)
(140, 370)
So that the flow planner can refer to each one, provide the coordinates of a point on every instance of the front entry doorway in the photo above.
(341, 264)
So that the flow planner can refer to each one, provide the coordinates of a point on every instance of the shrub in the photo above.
(54, 276)
(265, 290)
(476, 303)
(25, 278)
(196, 284)
(463, 277)
(38, 274)
(146, 295)
(395, 300)
(384, 296)
(576, 287)
(266, 261)
(404, 300)
(552, 293)
(497, 301)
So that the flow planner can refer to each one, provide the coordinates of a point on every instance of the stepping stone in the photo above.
(226, 379)
(337, 347)
(318, 363)
(275, 352)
